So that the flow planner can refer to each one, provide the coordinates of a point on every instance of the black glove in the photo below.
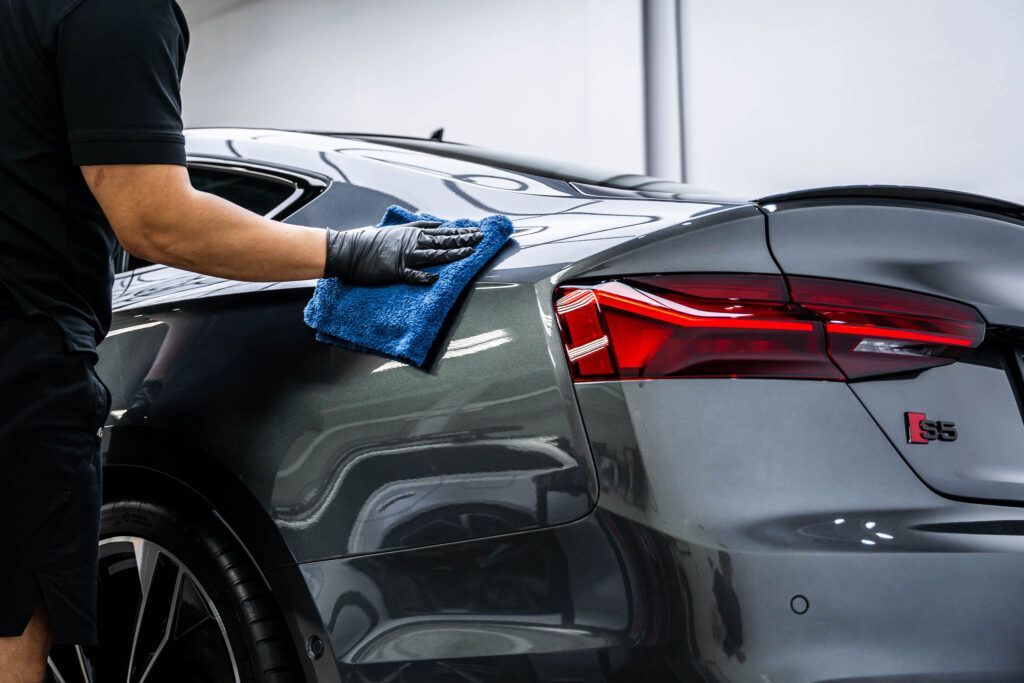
(373, 256)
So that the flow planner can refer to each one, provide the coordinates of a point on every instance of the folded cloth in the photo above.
(400, 320)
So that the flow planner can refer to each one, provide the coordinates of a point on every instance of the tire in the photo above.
(209, 615)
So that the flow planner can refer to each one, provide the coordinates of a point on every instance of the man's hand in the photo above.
(384, 255)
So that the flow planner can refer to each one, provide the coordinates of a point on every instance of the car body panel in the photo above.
(343, 448)
(767, 491)
(986, 461)
(720, 510)
(607, 600)
(486, 519)
(970, 256)
(350, 453)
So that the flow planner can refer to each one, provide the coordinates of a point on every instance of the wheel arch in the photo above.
(141, 463)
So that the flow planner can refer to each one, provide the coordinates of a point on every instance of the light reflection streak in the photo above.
(314, 511)
(133, 328)
(321, 438)
(461, 347)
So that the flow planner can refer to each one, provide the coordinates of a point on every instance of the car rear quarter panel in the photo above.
(349, 453)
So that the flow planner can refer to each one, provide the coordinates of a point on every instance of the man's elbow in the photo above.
(136, 235)
(146, 205)
(153, 240)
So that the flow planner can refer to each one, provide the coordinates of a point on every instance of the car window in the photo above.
(259, 193)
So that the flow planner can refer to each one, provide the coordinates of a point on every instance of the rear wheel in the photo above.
(180, 600)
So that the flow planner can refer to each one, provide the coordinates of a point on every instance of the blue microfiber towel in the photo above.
(400, 321)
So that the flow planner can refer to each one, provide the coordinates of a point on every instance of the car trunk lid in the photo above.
(960, 427)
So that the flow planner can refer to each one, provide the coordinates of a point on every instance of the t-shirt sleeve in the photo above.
(119, 66)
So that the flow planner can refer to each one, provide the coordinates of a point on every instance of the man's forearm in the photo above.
(157, 215)
(215, 237)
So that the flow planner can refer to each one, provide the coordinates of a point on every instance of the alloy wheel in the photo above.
(157, 623)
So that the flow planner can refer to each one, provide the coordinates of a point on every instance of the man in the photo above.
(91, 147)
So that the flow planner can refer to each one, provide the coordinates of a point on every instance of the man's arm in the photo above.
(157, 215)
(119, 67)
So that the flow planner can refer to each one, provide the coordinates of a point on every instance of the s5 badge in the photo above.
(922, 430)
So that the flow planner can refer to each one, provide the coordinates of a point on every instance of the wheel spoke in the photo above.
(160, 585)
(68, 664)
(158, 621)
(55, 671)
(147, 556)
(193, 628)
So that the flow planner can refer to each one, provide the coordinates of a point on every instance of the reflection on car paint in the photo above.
(321, 435)
(456, 524)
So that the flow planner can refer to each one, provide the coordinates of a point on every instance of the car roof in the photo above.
(589, 178)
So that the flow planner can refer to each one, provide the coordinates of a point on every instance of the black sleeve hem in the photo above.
(119, 134)
(102, 152)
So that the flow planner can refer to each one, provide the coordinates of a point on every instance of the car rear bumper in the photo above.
(809, 549)
(746, 531)
(608, 599)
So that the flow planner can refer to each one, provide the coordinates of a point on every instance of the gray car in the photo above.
(666, 436)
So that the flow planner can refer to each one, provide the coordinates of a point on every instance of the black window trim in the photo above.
(301, 185)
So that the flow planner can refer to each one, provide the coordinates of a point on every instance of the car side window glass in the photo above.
(259, 194)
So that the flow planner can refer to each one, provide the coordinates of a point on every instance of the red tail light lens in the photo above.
(687, 326)
(876, 331)
(748, 326)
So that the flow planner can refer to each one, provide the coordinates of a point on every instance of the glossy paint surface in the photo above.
(485, 520)
(349, 453)
(778, 497)
(741, 525)
(731, 542)
(972, 257)
(608, 599)
(967, 256)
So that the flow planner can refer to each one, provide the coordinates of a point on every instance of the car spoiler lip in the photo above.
(931, 195)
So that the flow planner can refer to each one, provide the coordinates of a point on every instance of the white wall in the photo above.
(779, 94)
(796, 93)
(557, 78)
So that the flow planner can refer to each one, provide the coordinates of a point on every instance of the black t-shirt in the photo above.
(82, 82)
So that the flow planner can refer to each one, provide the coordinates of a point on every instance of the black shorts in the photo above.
(52, 405)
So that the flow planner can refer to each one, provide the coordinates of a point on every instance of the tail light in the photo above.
(756, 326)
